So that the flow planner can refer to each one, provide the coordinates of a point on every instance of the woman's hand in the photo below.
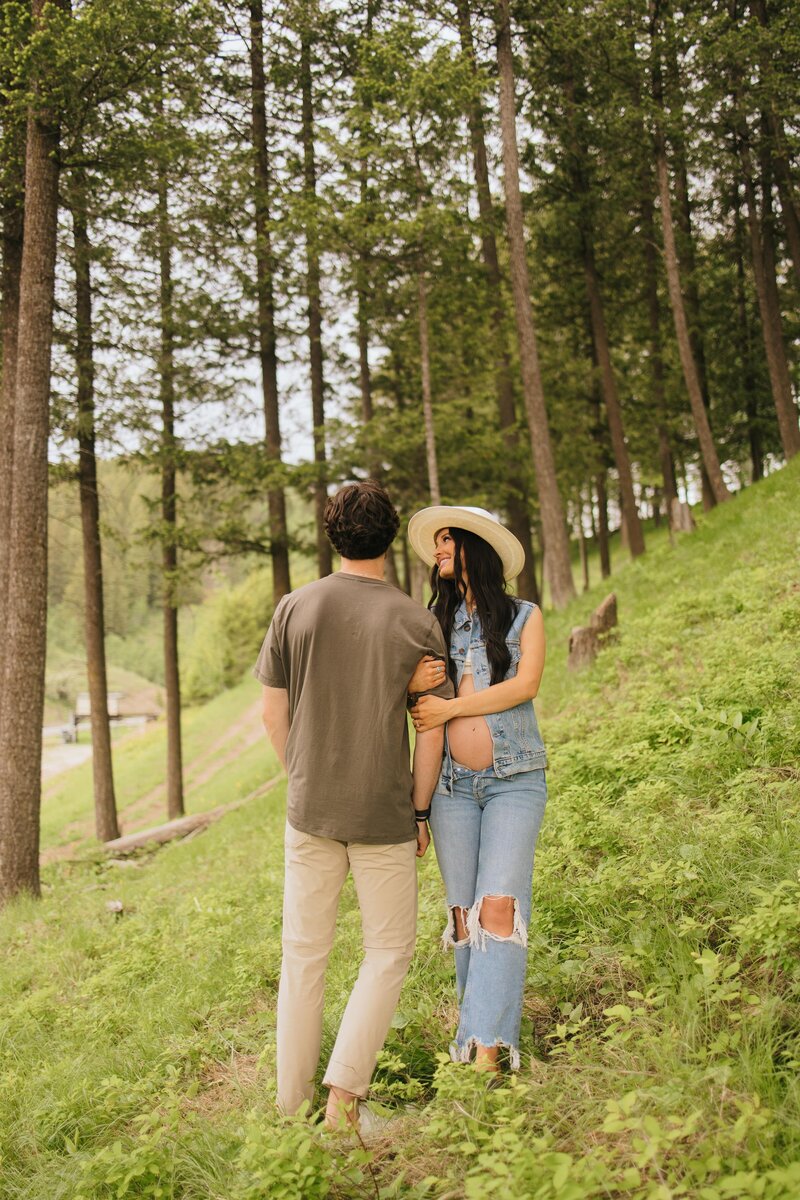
(430, 712)
(429, 673)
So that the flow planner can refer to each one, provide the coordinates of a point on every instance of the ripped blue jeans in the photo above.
(485, 837)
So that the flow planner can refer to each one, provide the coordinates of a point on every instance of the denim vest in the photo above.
(516, 742)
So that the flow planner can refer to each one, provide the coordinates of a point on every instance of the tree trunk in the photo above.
(630, 514)
(599, 331)
(763, 255)
(562, 586)
(169, 549)
(22, 690)
(427, 400)
(602, 524)
(582, 543)
(685, 235)
(9, 321)
(324, 553)
(105, 810)
(746, 343)
(656, 357)
(516, 500)
(780, 165)
(265, 266)
(708, 450)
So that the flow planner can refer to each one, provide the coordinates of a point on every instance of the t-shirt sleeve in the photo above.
(270, 669)
(437, 647)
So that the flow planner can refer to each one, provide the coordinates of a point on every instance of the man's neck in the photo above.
(370, 568)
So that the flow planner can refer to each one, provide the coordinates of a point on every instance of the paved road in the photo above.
(58, 757)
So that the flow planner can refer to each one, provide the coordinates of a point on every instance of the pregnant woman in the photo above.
(490, 800)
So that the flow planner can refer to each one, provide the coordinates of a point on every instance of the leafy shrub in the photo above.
(228, 632)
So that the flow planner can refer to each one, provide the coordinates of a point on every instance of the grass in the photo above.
(660, 1041)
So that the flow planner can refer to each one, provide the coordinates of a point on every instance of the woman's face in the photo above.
(444, 551)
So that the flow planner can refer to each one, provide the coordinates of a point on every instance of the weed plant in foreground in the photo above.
(662, 1025)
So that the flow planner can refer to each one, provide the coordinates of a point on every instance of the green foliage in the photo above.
(660, 1055)
(227, 634)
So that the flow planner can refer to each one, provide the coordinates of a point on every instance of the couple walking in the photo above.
(342, 658)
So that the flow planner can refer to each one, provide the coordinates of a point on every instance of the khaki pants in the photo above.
(386, 883)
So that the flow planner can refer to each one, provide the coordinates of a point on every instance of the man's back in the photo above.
(345, 648)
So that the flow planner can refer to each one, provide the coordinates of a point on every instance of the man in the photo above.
(335, 665)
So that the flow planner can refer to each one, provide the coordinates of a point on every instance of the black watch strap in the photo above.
(423, 814)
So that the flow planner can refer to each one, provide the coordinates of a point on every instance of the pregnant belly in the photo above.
(469, 737)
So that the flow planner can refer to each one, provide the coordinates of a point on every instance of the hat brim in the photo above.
(426, 523)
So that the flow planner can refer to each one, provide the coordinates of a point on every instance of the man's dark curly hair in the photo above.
(360, 520)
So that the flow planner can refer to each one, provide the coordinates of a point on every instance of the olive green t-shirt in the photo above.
(345, 648)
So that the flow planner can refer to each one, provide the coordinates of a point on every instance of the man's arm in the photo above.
(275, 715)
(427, 766)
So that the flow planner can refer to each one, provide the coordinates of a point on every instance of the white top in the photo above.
(468, 662)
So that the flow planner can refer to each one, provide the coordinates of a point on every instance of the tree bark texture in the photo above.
(780, 164)
(559, 570)
(762, 249)
(608, 381)
(746, 343)
(602, 524)
(106, 825)
(9, 322)
(169, 549)
(599, 329)
(267, 342)
(687, 260)
(324, 554)
(516, 500)
(427, 399)
(22, 690)
(708, 450)
(656, 356)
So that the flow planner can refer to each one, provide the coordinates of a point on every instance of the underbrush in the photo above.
(660, 1045)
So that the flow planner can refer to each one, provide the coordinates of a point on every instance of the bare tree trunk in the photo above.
(9, 321)
(763, 256)
(324, 553)
(685, 235)
(582, 542)
(169, 549)
(105, 809)
(780, 165)
(630, 514)
(427, 400)
(599, 331)
(602, 524)
(708, 450)
(656, 357)
(705, 438)
(562, 586)
(516, 500)
(746, 343)
(22, 690)
(267, 343)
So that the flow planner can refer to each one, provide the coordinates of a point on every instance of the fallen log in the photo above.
(183, 826)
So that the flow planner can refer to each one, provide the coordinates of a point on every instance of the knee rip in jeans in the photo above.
(495, 917)
(455, 933)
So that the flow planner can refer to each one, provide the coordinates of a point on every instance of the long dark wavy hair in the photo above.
(496, 609)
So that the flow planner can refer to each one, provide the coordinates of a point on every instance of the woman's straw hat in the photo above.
(426, 523)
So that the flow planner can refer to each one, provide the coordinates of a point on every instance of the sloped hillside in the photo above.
(660, 1046)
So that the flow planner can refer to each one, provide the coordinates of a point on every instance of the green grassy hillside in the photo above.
(660, 1041)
